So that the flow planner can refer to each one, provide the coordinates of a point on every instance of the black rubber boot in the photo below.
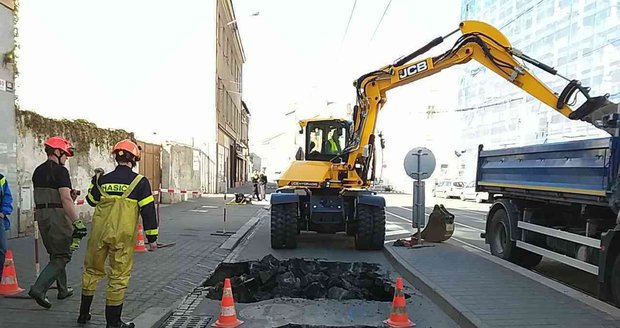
(40, 298)
(113, 317)
(85, 309)
(44, 282)
(61, 284)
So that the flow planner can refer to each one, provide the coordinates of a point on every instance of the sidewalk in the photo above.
(477, 292)
(159, 279)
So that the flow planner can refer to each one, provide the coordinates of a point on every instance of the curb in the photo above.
(234, 240)
(455, 310)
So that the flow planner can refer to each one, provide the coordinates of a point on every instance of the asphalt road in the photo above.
(339, 247)
(470, 219)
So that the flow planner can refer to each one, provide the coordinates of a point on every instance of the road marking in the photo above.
(468, 226)
(397, 232)
(471, 245)
(398, 216)
(457, 223)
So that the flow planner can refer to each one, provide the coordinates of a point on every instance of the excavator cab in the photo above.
(325, 139)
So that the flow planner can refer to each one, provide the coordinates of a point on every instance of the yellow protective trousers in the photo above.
(113, 237)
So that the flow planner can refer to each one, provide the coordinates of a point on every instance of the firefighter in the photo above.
(54, 202)
(118, 197)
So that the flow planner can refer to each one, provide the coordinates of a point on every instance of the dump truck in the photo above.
(327, 188)
(560, 201)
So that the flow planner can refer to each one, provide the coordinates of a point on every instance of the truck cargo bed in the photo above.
(573, 172)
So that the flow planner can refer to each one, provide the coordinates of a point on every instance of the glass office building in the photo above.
(580, 38)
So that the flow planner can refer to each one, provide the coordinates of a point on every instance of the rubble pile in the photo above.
(269, 278)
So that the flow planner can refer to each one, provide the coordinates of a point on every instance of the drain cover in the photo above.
(187, 321)
(182, 317)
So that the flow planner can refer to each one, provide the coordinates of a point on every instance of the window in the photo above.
(326, 139)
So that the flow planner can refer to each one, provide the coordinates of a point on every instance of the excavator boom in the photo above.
(481, 42)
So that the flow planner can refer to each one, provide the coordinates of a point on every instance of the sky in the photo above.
(109, 61)
(300, 55)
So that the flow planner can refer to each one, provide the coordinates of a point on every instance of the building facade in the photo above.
(579, 38)
(232, 155)
(8, 136)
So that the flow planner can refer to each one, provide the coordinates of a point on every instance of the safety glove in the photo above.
(75, 244)
(79, 229)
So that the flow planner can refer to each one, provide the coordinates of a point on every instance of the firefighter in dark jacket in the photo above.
(56, 218)
(119, 197)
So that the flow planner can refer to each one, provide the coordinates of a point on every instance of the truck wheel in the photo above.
(503, 247)
(370, 233)
(284, 226)
(615, 281)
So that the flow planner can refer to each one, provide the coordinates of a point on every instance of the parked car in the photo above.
(469, 193)
(449, 189)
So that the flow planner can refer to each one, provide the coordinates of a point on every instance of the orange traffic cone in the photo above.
(9, 285)
(140, 248)
(398, 315)
(228, 315)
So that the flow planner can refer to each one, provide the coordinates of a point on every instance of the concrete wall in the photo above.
(184, 167)
(93, 147)
(8, 162)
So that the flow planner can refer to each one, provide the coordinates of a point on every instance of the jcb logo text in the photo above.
(412, 70)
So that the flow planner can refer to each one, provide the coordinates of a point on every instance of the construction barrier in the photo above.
(398, 315)
(8, 284)
(228, 315)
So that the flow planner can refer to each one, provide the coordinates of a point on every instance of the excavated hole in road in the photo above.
(293, 325)
(269, 278)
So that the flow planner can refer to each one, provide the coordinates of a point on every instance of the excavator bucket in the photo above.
(440, 225)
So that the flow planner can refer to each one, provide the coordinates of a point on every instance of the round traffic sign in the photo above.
(426, 160)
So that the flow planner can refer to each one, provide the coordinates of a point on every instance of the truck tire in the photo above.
(370, 232)
(284, 226)
(615, 281)
(502, 245)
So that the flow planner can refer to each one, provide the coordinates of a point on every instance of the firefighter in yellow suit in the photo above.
(118, 197)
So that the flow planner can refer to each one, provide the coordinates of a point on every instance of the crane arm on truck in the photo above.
(479, 41)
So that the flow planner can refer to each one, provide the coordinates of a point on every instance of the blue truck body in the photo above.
(559, 201)
(582, 171)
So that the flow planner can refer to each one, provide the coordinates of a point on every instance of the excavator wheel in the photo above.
(284, 226)
(615, 281)
(370, 233)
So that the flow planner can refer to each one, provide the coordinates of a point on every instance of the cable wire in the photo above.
(380, 20)
(346, 30)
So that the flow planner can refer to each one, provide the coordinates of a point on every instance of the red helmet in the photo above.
(128, 146)
(62, 144)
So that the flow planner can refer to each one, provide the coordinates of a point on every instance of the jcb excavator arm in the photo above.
(480, 42)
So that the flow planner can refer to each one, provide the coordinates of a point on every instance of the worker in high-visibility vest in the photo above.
(333, 143)
(119, 197)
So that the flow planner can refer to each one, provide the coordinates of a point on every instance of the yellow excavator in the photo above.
(327, 188)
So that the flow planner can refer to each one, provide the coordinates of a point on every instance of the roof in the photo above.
(245, 107)
(236, 30)
(305, 122)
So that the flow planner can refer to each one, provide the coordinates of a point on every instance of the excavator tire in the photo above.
(615, 280)
(370, 233)
(284, 226)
